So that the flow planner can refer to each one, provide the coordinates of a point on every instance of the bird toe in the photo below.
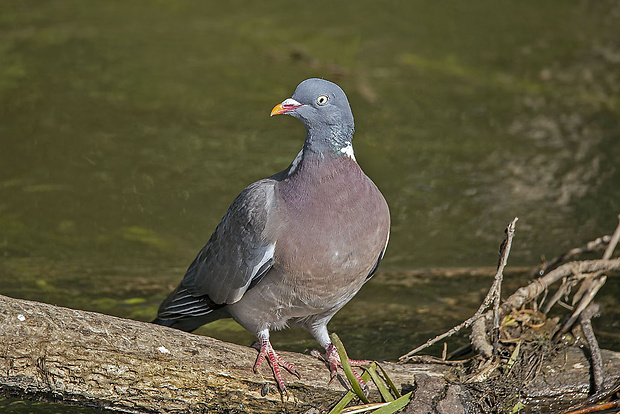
(267, 352)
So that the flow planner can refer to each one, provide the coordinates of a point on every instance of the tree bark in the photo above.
(76, 357)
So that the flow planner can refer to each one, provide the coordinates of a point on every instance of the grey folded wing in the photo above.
(237, 256)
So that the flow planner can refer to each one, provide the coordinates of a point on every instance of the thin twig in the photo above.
(438, 338)
(592, 246)
(613, 242)
(567, 285)
(563, 290)
(592, 287)
(596, 408)
(530, 292)
(607, 242)
(479, 335)
(585, 319)
(590, 404)
(504, 251)
(490, 297)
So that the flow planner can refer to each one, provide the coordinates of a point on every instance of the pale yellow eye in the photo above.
(322, 99)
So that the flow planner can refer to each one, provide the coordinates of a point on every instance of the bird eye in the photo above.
(322, 99)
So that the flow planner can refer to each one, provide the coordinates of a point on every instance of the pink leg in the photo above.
(275, 360)
(333, 359)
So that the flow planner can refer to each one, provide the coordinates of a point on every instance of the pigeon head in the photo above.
(324, 110)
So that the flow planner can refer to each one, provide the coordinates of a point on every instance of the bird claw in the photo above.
(332, 359)
(266, 351)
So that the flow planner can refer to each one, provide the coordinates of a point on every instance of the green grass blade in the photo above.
(348, 397)
(395, 405)
(383, 389)
(518, 407)
(344, 401)
(514, 356)
(363, 408)
(348, 371)
(389, 382)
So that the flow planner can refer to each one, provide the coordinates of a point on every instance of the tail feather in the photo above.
(184, 311)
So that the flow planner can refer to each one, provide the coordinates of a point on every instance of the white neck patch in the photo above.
(348, 150)
(295, 162)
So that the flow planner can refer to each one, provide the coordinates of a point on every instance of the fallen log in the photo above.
(76, 357)
(59, 354)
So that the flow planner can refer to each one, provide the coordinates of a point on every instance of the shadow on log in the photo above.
(76, 357)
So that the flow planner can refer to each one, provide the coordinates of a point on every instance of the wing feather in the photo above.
(236, 257)
(239, 250)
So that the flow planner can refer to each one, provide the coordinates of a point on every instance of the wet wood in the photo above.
(77, 357)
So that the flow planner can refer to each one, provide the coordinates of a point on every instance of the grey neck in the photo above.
(316, 151)
(329, 139)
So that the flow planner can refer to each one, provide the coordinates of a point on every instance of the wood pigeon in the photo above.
(293, 248)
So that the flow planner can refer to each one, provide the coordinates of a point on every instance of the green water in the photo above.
(127, 128)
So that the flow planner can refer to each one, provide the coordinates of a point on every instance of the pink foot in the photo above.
(333, 359)
(275, 361)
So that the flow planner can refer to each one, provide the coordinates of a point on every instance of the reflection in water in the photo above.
(126, 130)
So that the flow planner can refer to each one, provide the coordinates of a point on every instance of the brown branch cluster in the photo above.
(587, 275)
(520, 323)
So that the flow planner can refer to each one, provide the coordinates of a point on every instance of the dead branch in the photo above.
(596, 245)
(478, 340)
(592, 404)
(529, 326)
(607, 243)
(590, 286)
(492, 297)
(585, 319)
(598, 408)
(530, 292)
(589, 276)
(613, 242)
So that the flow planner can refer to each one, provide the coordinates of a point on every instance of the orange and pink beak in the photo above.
(285, 107)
